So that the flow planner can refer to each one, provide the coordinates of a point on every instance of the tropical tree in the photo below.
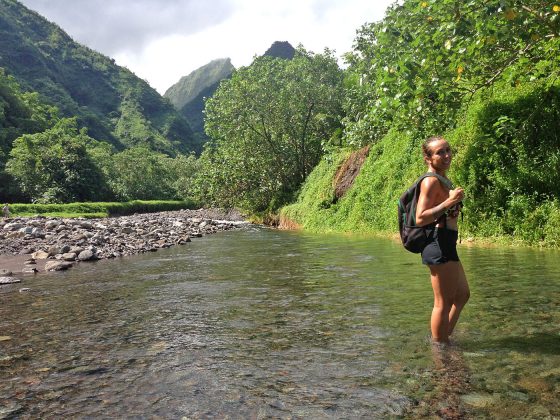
(418, 66)
(139, 173)
(267, 126)
(56, 165)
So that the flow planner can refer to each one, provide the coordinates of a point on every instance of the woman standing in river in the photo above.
(438, 210)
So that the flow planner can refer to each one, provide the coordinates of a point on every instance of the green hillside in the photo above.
(189, 87)
(115, 105)
(189, 93)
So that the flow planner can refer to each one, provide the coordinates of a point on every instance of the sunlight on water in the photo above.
(260, 323)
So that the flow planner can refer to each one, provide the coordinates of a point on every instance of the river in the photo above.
(259, 323)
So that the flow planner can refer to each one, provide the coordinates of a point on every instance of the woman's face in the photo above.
(440, 157)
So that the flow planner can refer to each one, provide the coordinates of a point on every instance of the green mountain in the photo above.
(189, 87)
(189, 93)
(114, 104)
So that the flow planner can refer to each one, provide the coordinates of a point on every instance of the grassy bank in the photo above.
(99, 209)
(507, 158)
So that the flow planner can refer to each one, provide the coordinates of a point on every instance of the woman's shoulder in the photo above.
(431, 184)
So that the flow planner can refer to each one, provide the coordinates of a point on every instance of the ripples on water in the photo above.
(260, 323)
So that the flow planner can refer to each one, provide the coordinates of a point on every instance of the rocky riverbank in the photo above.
(37, 244)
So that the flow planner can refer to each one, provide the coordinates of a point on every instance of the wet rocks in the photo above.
(57, 265)
(63, 242)
(9, 280)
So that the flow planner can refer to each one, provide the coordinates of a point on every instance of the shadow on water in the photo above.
(544, 343)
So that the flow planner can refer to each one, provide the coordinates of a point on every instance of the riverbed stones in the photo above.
(57, 239)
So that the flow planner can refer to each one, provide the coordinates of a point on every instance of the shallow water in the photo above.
(266, 324)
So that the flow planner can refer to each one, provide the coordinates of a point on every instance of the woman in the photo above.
(438, 210)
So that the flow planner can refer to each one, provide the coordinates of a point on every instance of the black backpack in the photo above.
(414, 238)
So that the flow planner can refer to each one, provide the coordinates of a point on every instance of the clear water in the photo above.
(266, 324)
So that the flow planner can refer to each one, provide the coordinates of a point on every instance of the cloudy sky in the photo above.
(163, 40)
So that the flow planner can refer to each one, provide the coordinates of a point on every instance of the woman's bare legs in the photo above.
(451, 293)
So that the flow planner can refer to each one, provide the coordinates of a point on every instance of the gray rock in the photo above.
(69, 256)
(53, 250)
(58, 265)
(40, 255)
(52, 224)
(26, 230)
(87, 255)
(9, 280)
(13, 226)
(29, 270)
(5, 273)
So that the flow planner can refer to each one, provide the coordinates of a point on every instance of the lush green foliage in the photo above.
(267, 124)
(114, 104)
(55, 166)
(141, 174)
(99, 209)
(370, 205)
(507, 161)
(416, 67)
(485, 74)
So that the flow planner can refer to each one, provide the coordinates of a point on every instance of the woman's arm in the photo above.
(434, 201)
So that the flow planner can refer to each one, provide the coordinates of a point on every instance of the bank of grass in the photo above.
(99, 209)
(507, 161)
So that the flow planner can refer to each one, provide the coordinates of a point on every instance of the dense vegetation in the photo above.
(284, 129)
(115, 105)
(188, 95)
(98, 209)
(267, 126)
(486, 76)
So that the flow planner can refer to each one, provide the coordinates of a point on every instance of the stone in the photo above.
(69, 256)
(53, 250)
(24, 289)
(57, 265)
(40, 255)
(87, 255)
(9, 280)
(27, 250)
(5, 273)
(52, 224)
(13, 226)
(29, 270)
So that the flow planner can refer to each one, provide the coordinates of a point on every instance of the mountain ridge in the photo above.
(84, 83)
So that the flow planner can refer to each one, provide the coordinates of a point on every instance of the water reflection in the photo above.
(260, 323)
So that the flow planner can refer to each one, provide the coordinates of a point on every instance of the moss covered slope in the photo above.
(507, 159)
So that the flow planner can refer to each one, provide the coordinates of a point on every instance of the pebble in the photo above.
(63, 241)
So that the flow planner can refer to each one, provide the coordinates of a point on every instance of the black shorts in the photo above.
(441, 247)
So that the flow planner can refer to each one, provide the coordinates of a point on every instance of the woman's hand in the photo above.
(456, 196)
